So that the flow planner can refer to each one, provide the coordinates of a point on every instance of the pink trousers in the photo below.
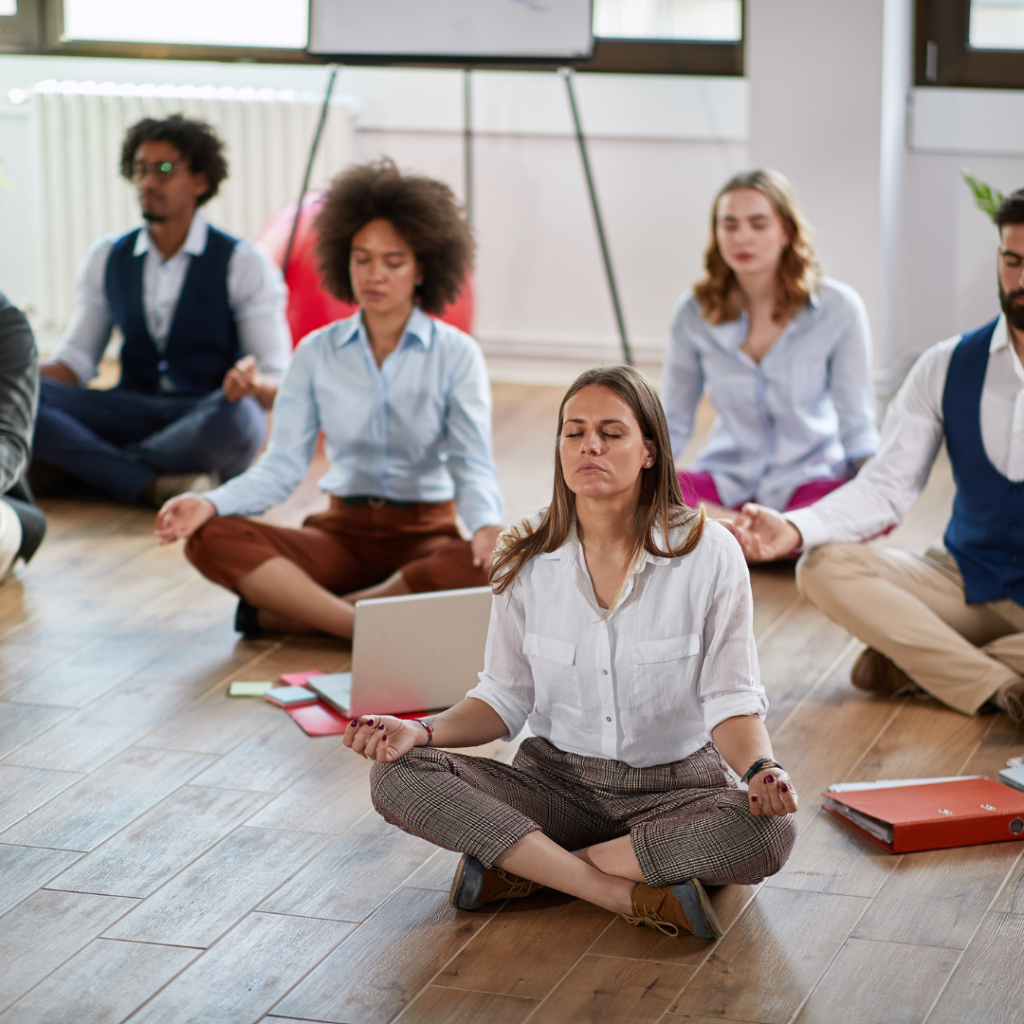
(698, 487)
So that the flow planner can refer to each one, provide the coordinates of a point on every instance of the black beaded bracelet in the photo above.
(759, 765)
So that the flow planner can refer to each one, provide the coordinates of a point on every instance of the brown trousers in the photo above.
(344, 549)
(913, 609)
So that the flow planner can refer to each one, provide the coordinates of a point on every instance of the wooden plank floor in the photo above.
(170, 855)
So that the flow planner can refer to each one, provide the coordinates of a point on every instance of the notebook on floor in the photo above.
(411, 654)
(932, 815)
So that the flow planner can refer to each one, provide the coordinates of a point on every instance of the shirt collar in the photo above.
(1001, 340)
(419, 326)
(571, 553)
(1000, 335)
(195, 240)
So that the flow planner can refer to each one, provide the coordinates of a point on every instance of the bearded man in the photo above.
(950, 622)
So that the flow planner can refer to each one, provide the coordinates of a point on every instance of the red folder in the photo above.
(933, 816)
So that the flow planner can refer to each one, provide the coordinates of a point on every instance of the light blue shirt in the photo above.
(805, 412)
(417, 428)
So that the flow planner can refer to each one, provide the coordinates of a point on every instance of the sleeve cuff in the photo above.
(734, 705)
(812, 529)
(507, 711)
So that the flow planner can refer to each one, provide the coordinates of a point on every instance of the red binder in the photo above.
(933, 816)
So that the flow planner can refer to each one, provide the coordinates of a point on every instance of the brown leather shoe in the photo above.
(1011, 699)
(875, 673)
(682, 909)
(474, 885)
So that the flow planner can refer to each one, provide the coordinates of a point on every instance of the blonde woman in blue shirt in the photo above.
(404, 404)
(783, 353)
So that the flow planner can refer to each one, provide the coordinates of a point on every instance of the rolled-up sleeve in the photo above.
(259, 300)
(506, 683)
(290, 450)
(91, 322)
(470, 459)
(730, 679)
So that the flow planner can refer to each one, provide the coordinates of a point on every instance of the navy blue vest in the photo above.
(986, 533)
(203, 341)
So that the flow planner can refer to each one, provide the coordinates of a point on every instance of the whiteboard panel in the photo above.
(539, 29)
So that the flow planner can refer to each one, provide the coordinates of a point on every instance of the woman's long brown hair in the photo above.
(660, 508)
(799, 272)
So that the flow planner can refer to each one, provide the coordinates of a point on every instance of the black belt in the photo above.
(372, 501)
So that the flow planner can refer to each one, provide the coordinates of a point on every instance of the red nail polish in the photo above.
(769, 778)
(783, 787)
(753, 799)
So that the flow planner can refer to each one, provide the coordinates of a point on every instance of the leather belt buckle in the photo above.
(375, 502)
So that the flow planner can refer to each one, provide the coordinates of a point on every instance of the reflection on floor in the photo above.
(167, 854)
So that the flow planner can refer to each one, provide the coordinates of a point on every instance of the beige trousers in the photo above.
(913, 610)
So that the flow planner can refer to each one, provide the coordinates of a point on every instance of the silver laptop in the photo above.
(415, 653)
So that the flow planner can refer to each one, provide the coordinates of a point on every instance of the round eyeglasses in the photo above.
(162, 170)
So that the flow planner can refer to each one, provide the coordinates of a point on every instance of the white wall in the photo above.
(828, 101)
(660, 148)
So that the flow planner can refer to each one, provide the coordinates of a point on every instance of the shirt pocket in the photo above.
(664, 672)
(555, 676)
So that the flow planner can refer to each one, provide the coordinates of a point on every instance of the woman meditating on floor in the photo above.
(784, 355)
(621, 630)
(405, 406)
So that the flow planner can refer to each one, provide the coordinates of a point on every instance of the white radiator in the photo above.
(78, 129)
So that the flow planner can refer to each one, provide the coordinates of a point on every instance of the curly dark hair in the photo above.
(423, 211)
(1011, 210)
(197, 142)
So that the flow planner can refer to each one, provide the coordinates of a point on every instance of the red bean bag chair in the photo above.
(310, 305)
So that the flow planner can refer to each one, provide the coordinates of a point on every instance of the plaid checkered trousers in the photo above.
(685, 819)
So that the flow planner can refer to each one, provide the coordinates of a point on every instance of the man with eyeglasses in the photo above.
(202, 315)
(951, 622)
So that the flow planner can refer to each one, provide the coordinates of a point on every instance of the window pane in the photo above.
(997, 24)
(707, 20)
(8, 8)
(277, 23)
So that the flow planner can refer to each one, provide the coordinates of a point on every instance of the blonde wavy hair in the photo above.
(799, 272)
(660, 508)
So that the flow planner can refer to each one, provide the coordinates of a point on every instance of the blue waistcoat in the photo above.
(203, 341)
(986, 533)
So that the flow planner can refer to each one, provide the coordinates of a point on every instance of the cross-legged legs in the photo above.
(310, 577)
(577, 823)
(118, 440)
(913, 610)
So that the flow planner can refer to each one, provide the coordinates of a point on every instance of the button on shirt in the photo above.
(644, 683)
(912, 433)
(804, 412)
(417, 428)
(256, 293)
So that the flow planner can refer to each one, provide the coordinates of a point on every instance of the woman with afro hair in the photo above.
(404, 404)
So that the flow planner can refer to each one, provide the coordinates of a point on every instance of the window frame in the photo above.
(22, 32)
(943, 58)
(616, 56)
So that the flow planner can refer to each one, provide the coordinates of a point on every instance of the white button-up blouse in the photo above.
(644, 683)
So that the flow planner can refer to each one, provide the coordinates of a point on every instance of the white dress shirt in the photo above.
(256, 293)
(417, 428)
(644, 683)
(882, 492)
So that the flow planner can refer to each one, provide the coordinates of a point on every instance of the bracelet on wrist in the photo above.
(430, 731)
(759, 766)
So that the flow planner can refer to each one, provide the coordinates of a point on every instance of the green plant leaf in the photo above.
(986, 198)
